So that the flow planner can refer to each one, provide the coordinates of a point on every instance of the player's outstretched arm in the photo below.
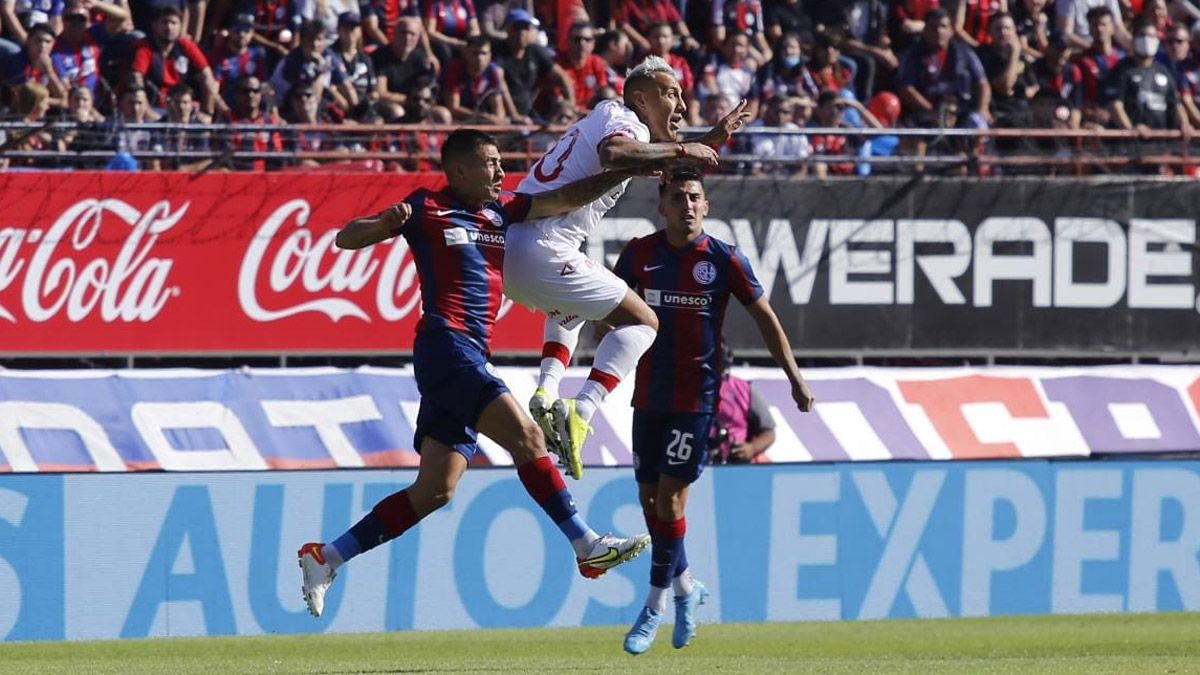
(736, 119)
(366, 230)
(585, 191)
(622, 152)
(781, 350)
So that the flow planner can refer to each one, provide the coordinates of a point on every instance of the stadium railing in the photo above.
(969, 152)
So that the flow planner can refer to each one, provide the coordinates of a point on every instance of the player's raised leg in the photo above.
(503, 422)
(634, 328)
(440, 469)
(558, 343)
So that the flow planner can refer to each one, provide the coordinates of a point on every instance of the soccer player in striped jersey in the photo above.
(687, 277)
(457, 238)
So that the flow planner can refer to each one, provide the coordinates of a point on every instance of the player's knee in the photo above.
(440, 497)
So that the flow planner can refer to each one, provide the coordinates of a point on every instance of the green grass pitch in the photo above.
(1129, 643)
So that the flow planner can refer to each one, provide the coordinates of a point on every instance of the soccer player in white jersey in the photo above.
(543, 264)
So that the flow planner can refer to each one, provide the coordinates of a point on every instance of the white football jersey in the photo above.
(577, 156)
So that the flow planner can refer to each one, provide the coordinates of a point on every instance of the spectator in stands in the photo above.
(76, 53)
(1185, 68)
(939, 66)
(249, 108)
(662, 42)
(235, 55)
(357, 70)
(1144, 95)
(379, 18)
(1012, 80)
(529, 67)
(449, 23)
(586, 71)
(732, 74)
(788, 113)
(166, 58)
(276, 23)
(787, 74)
(906, 22)
(88, 129)
(34, 12)
(740, 16)
(635, 17)
(972, 19)
(1095, 64)
(182, 109)
(311, 64)
(326, 12)
(31, 102)
(786, 16)
(134, 108)
(401, 67)
(617, 50)
(1033, 25)
(423, 146)
(146, 12)
(826, 70)
(1155, 13)
(12, 31)
(1059, 98)
(1074, 19)
(474, 89)
(35, 65)
(863, 38)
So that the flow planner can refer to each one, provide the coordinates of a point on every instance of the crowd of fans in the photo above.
(1069, 64)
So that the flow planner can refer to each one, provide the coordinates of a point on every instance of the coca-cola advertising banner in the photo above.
(168, 263)
(956, 265)
(281, 418)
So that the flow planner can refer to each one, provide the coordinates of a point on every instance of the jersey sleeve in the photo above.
(141, 58)
(193, 53)
(742, 282)
(516, 206)
(621, 121)
(624, 266)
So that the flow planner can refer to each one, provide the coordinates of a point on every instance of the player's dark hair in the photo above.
(680, 174)
(463, 144)
(477, 41)
(935, 15)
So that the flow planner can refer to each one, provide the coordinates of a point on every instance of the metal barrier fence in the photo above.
(61, 144)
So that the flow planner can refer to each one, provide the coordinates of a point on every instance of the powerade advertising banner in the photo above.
(950, 265)
(215, 554)
(190, 420)
(172, 263)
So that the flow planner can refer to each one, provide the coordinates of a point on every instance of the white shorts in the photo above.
(562, 282)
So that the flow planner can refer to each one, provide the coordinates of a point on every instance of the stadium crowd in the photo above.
(976, 64)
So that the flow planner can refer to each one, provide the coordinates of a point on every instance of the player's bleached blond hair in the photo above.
(648, 68)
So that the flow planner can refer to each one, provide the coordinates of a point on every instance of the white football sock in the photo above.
(683, 583)
(616, 356)
(332, 556)
(558, 344)
(656, 599)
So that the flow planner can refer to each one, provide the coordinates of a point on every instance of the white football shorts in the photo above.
(559, 280)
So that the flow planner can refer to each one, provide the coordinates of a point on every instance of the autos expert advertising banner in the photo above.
(161, 263)
(947, 265)
(189, 420)
(214, 554)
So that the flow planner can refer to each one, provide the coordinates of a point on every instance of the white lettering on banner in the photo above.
(991, 267)
(900, 563)
(940, 269)
(1073, 544)
(153, 419)
(130, 287)
(304, 260)
(1068, 292)
(1155, 249)
(12, 510)
(982, 554)
(1173, 239)
(18, 415)
(327, 417)
(1149, 554)
(791, 549)
(844, 262)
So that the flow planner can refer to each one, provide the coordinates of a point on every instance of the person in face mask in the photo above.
(1142, 93)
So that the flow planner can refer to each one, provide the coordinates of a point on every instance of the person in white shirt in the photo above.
(544, 268)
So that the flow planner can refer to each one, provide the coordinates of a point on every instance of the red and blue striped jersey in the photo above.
(688, 288)
(459, 253)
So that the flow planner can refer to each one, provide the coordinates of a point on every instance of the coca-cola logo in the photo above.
(275, 266)
(286, 259)
(57, 277)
